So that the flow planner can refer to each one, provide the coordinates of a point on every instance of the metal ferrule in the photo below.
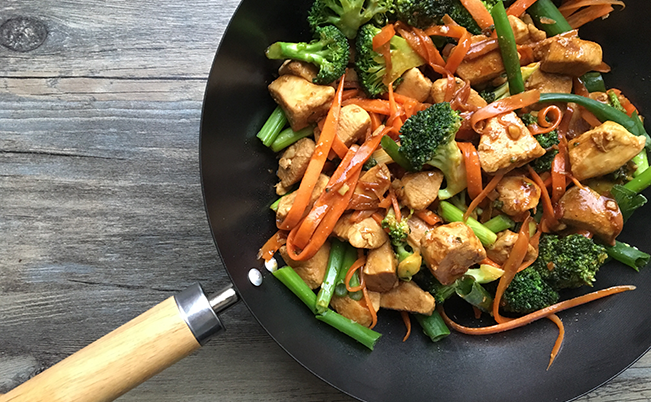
(200, 313)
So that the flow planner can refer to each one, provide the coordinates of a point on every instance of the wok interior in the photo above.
(602, 338)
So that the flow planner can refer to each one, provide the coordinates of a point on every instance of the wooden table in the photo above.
(101, 212)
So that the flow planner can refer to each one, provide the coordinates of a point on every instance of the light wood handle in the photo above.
(116, 363)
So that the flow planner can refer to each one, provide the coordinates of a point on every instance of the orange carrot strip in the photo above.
(558, 177)
(339, 147)
(516, 257)
(394, 203)
(428, 217)
(502, 106)
(559, 340)
(548, 208)
(315, 166)
(369, 305)
(349, 93)
(519, 7)
(375, 121)
(536, 315)
(479, 13)
(378, 106)
(543, 126)
(459, 52)
(488, 261)
(377, 217)
(473, 168)
(433, 57)
(590, 118)
(272, 245)
(394, 120)
(569, 7)
(407, 321)
(582, 17)
(489, 187)
(359, 262)
(386, 33)
(481, 48)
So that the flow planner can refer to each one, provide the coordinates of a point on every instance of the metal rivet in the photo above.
(255, 277)
(22, 34)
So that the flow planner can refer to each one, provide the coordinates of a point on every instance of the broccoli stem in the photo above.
(508, 48)
(393, 150)
(453, 214)
(308, 52)
(628, 255)
(288, 136)
(499, 223)
(641, 160)
(335, 260)
(360, 333)
(546, 16)
(272, 127)
(433, 326)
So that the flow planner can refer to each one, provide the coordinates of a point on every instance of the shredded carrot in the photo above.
(349, 93)
(428, 217)
(459, 52)
(481, 48)
(473, 168)
(502, 106)
(519, 7)
(407, 321)
(394, 120)
(536, 315)
(369, 305)
(375, 121)
(378, 106)
(394, 203)
(315, 166)
(589, 117)
(359, 263)
(338, 147)
(571, 6)
(479, 13)
(272, 245)
(543, 126)
(549, 216)
(559, 340)
(383, 37)
(377, 217)
(579, 88)
(489, 187)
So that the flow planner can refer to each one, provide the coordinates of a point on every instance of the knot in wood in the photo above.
(22, 34)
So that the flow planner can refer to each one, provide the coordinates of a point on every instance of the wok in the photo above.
(602, 338)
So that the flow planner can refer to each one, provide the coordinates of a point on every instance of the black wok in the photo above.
(603, 338)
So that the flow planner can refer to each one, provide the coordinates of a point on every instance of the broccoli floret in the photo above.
(490, 95)
(544, 163)
(371, 67)
(428, 138)
(568, 262)
(329, 51)
(528, 292)
(547, 141)
(425, 13)
(426, 281)
(398, 230)
(347, 15)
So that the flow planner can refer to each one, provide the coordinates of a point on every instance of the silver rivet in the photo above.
(255, 277)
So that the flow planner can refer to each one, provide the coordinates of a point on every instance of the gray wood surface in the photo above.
(101, 213)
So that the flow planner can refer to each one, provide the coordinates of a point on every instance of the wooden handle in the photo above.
(116, 363)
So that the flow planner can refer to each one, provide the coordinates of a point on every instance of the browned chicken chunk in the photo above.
(501, 249)
(439, 87)
(364, 234)
(307, 71)
(584, 208)
(517, 194)
(415, 85)
(311, 270)
(375, 181)
(549, 83)
(449, 250)
(380, 269)
(354, 123)
(417, 229)
(293, 164)
(506, 144)
(407, 296)
(418, 190)
(356, 310)
(287, 201)
(602, 150)
(302, 101)
(568, 55)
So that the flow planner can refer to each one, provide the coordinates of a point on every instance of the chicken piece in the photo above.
(380, 269)
(375, 181)
(302, 101)
(355, 310)
(415, 85)
(568, 55)
(520, 29)
(287, 201)
(517, 194)
(439, 87)
(366, 233)
(418, 190)
(311, 270)
(417, 229)
(307, 71)
(549, 83)
(602, 150)
(293, 164)
(506, 144)
(500, 250)
(407, 296)
(354, 123)
(584, 208)
(449, 250)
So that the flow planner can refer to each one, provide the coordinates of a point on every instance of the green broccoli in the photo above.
(398, 230)
(547, 141)
(528, 292)
(371, 67)
(490, 95)
(347, 15)
(428, 138)
(426, 281)
(329, 51)
(425, 13)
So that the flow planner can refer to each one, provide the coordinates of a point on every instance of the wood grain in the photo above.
(101, 211)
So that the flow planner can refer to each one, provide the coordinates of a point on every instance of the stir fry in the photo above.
(440, 149)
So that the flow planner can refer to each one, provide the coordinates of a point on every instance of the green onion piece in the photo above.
(335, 260)
(350, 256)
(272, 127)
(360, 333)
(628, 255)
(393, 150)
(295, 283)
(508, 48)
(546, 16)
(499, 223)
(641, 182)
(641, 160)
(433, 326)
(354, 282)
(453, 214)
(288, 136)
(469, 290)
(627, 200)
(594, 82)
